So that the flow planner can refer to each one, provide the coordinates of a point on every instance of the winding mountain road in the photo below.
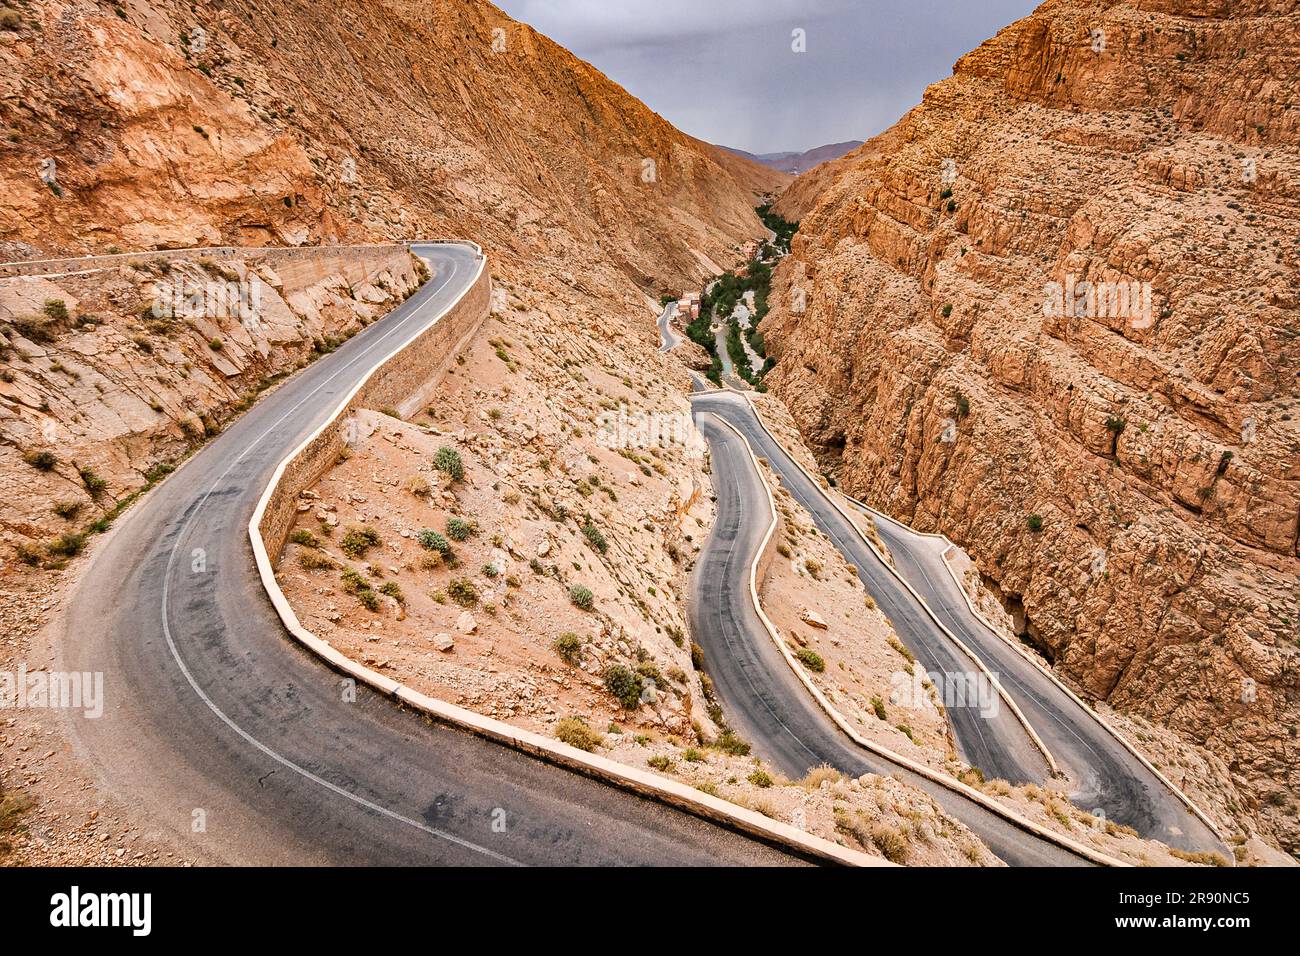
(220, 730)
(784, 723)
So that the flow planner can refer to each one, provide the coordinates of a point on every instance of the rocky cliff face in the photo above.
(1053, 312)
(173, 124)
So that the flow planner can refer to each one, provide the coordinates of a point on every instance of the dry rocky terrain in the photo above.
(1127, 480)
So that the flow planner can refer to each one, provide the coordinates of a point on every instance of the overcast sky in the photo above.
(724, 70)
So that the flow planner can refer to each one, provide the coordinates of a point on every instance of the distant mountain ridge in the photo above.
(796, 163)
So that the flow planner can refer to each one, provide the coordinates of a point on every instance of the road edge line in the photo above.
(955, 785)
(640, 782)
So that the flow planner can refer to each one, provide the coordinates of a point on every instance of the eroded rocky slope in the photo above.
(1127, 478)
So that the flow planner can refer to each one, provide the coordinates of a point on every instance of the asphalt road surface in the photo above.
(668, 339)
(1103, 774)
(218, 729)
(762, 699)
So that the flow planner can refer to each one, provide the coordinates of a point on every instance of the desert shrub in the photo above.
(489, 570)
(732, 744)
(693, 755)
(458, 529)
(66, 545)
(10, 20)
(41, 460)
(760, 778)
(94, 484)
(358, 540)
(418, 485)
(369, 600)
(697, 656)
(890, 842)
(448, 461)
(463, 592)
(1035, 522)
(315, 561)
(431, 540)
(216, 345)
(820, 774)
(581, 597)
(575, 732)
(66, 509)
(305, 538)
(56, 310)
(394, 591)
(624, 684)
(811, 659)
(353, 581)
(661, 762)
(594, 537)
(569, 646)
(878, 706)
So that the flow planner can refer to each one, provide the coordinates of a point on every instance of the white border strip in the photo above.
(955, 785)
(641, 782)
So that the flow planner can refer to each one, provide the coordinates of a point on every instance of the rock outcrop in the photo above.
(1053, 313)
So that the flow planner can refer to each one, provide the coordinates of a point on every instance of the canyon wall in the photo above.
(1053, 313)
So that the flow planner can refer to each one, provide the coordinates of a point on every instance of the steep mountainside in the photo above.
(174, 123)
(1122, 459)
(761, 179)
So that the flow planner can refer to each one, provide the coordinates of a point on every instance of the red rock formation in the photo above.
(1129, 479)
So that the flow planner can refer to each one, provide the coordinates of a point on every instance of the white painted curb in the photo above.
(955, 785)
(641, 782)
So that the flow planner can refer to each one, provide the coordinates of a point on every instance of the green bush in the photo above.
(661, 762)
(458, 529)
(731, 744)
(594, 537)
(569, 646)
(878, 706)
(305, 538)
(353, 581)
(575, 732)
(761, 779)
(624, 684)
(358, 540)
(448, 461)
(582, 597)
(56, 310)
(66, 545)
(1035, 523)
(94, 484)
(369, 600)
(811, 659)
(463, 592)
(431, 540)
(394, 591)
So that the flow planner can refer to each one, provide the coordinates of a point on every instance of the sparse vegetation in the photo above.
(460, 529)
(1035, 522)
(448, 461)
(575, 732)
(811, 659)
(569, 647)
(760, 778)
(594, 537)
(463, 592)
(581, 597)
(358, 539)
(431, 540)
(624, 684)
(41, 460)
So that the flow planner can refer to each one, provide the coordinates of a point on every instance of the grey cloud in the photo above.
(724, 70)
